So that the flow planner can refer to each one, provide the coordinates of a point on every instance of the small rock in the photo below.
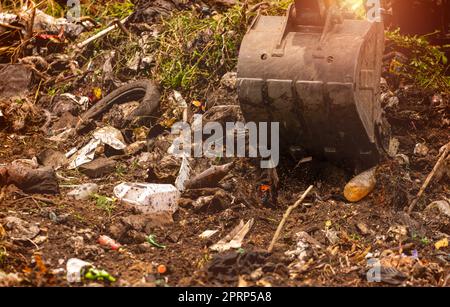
(98, 168)
(421, 149)
(229, 80)
(52, 158)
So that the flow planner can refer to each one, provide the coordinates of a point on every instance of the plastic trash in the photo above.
(107, 241)
(360, 186)
(149, 197)
(75, 267)
(207, 234)
(84, 191)
(106, 135)
(78, 270)
(235, 238)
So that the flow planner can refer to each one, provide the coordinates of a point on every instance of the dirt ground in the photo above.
(346, 234)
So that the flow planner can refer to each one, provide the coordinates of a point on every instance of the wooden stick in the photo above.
(100, 34)
(286, 215)
(429, 178)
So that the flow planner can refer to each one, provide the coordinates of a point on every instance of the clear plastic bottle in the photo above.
(360, 186)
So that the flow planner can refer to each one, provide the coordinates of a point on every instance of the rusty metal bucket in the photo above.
(318, 75)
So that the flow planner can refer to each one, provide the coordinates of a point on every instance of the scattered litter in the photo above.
(151, 239)
(235, 238)
(148, 197)
(161, 269)
(106, 135)
(183, 175)
(441, 244)
(79, 270)
(110, 136)
(207, 234)
(82, 101)
(107, 241)
(360, 186)
(304, 248)
(84, 191)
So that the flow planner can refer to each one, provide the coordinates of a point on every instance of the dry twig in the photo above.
(285, 216)
(430, 177)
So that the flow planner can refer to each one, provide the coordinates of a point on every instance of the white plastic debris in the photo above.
(107, 135)
(63, 136)
(71, 152)
(110, 136)
(82, 101)
(207, 234)
(235, 238)
(183, 175)
(149, 197)
(84, 191)
(85, 154)
(74, 268)
(304, 248)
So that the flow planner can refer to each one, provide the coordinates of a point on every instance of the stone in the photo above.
(15, 80)
(98, 168)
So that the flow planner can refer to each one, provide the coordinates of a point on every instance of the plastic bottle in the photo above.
(107, 241)
(360, 186)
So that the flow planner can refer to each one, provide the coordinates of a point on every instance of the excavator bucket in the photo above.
(318, 75)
